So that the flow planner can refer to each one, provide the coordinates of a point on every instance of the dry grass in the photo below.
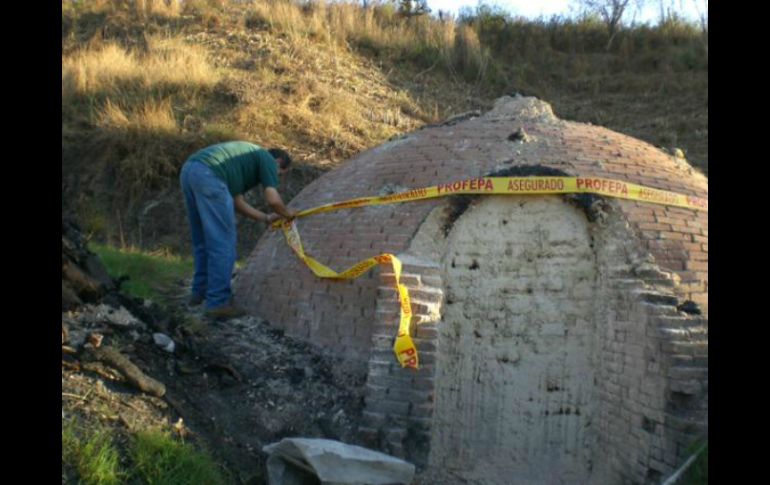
(468, 54)
(284, 16)
(321, 98)
(139, 9)
(149, 105)
(377, 29)
(90, 71)
(152, 116)
(134, 101)
(164, 64)
(164, 8)
(326, 80)
(312, 69)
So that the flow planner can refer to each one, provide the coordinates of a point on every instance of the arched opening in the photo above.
(515, 392)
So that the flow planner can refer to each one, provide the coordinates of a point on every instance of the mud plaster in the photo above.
(514, 376)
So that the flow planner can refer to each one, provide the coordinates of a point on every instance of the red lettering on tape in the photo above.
(409, 351)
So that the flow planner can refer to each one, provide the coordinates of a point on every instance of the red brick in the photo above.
(697, 265)
(687, 213)
(686, 229)
(690, 246)
(671, 220)
(700, 222)
(387, 407)
(688, 276)
(639, 218)
(676, 236)
(632, 206)
(397, 238)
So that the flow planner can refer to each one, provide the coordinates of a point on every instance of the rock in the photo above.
(520, 136)
(76, 337)
(163, 341)
(119, 317)
(300, 461)
(95, 339)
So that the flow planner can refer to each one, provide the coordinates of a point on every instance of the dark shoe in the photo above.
(195, 300)
(225, 312)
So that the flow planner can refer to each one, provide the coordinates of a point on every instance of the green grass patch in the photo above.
(160, 459)
(698, 472)
(149, 274)
(91, 454)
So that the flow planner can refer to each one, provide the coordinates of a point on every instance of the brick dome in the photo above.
(615, 290)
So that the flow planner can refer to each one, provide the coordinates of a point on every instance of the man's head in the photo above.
(282, 158)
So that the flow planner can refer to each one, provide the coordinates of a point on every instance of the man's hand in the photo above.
(274, 199)
(275, 216)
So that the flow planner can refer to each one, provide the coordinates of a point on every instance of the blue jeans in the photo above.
(212, 225)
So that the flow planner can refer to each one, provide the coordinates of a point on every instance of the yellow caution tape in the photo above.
(524, 186)
(406, 352)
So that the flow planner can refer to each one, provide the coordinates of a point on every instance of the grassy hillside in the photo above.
(146, 83)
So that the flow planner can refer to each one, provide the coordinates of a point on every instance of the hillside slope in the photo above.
(142, 89)
(138, 96)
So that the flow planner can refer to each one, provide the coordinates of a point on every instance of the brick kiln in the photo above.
(563, 339)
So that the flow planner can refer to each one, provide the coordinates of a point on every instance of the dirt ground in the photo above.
(236, 385)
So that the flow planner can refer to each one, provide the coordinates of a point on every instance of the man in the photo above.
(213, 181)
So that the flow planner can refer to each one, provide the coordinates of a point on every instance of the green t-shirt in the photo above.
(240, 165)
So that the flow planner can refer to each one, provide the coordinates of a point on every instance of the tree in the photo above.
(702, 8)
(610, 11)
(412, 8)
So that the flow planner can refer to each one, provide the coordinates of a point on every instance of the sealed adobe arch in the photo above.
(514, 378)
(563, 339)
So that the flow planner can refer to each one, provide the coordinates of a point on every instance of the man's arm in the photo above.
(243, 208)
(274, 199)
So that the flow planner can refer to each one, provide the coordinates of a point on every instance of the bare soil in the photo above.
(236, 385)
